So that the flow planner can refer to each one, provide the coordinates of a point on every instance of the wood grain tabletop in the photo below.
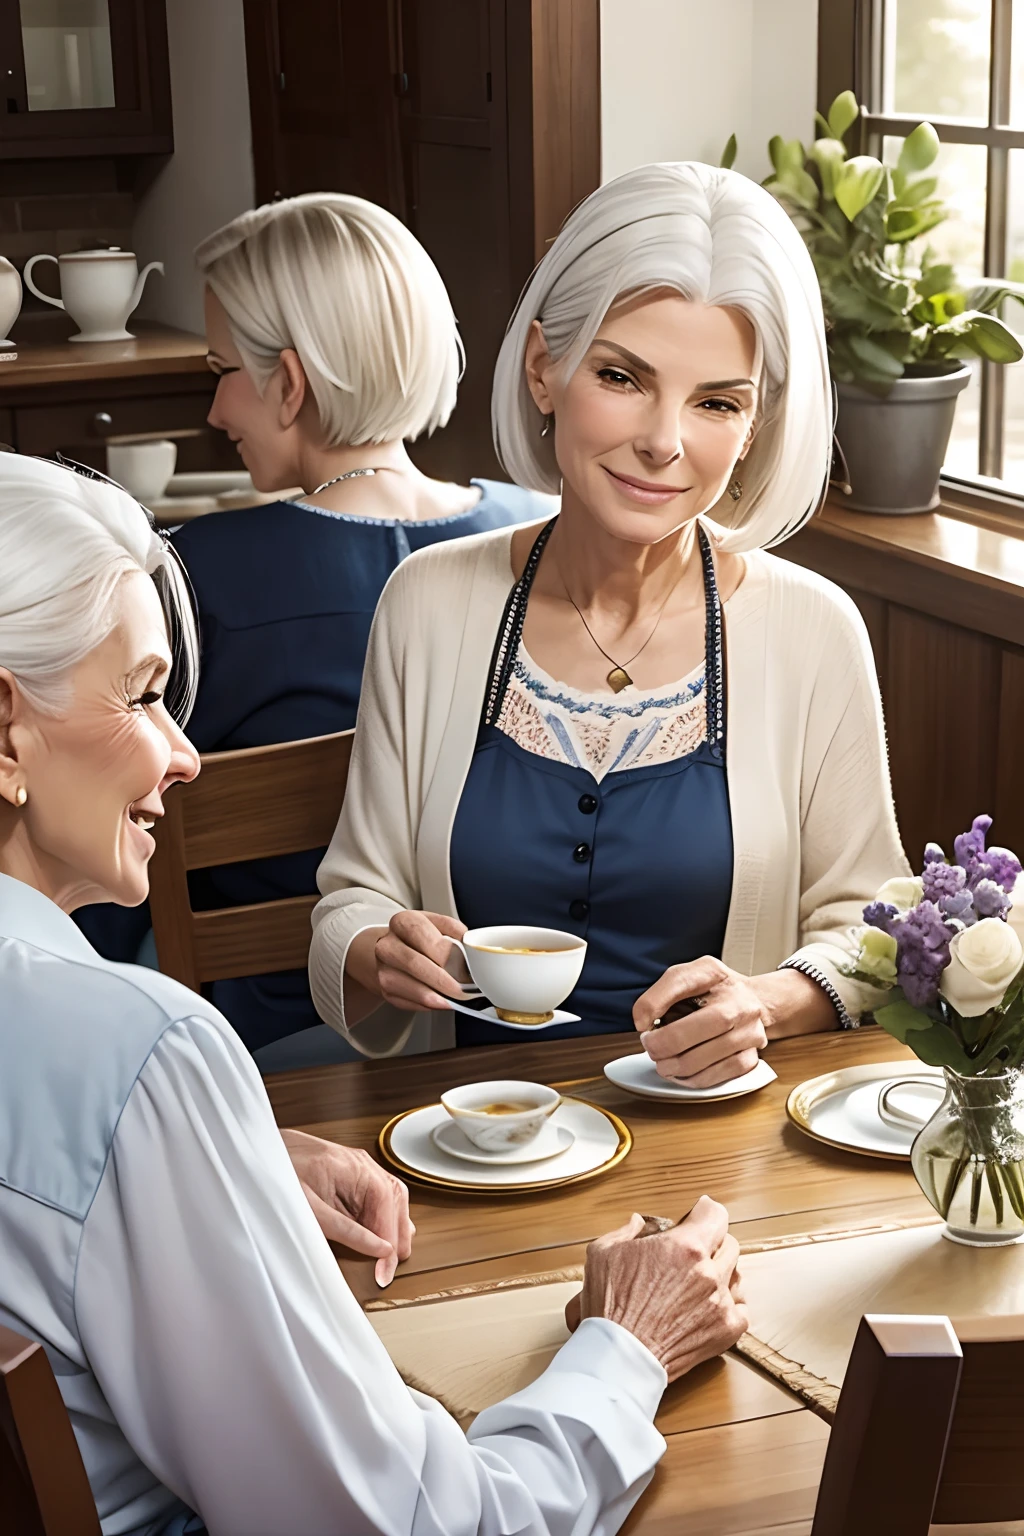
(744, 1456)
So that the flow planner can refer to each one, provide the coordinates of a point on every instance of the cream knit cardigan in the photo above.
(814, 831)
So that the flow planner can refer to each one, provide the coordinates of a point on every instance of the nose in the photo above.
(660, 441)
(215, 416)
(183, 764)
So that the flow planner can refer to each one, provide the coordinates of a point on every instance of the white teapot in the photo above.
(100, 290)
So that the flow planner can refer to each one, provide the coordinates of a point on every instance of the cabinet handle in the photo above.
(102, 421)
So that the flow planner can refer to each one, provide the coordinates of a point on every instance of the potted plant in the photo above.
(947, 948)
(899, 324)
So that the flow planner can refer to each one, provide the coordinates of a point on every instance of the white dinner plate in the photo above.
(559, 1016)
(841, 1108)
(600, 1141)
(550, 1141)
(638, 1074)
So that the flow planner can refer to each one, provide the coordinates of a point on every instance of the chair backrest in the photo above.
(928, 1428)
(252, 804)
(44, 1490)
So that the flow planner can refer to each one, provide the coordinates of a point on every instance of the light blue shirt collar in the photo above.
(27, 914)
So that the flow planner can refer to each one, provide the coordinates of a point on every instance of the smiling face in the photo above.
(264, 428)
(95, 775)
(650, 426)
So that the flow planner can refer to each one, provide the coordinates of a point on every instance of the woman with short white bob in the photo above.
(158, 1232)
(335, 342)
(631, 724)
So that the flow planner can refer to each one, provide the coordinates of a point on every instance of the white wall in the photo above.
(209, 178)
(679, 76)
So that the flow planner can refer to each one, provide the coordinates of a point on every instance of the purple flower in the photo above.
(941, 879)
(1001, 866)
(990, 900)
(981, 863)
(881, 914)
(933, 854)
(959, 906)
(969, 846)
(923, 937)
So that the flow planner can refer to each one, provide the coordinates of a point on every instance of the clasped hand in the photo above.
(717, 1042)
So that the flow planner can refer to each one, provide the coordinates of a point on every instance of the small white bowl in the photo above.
(498, 1132)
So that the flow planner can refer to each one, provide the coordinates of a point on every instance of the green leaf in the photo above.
(903, 224)
(857, 184)
(728, 159)
(776, 145)
(822, 124)
(984, 334)
(901, 1019)
(842, 114)
(935, 279)
(916, 192)
(919, 149)
(829, 156)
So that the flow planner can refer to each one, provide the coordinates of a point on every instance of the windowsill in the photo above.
(961, 563)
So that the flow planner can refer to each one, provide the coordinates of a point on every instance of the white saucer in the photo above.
(841, 1107)
(559, 1016)
(550, 1141)
(600, 1141)
(638, 1074)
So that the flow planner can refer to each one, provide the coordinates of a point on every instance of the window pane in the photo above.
(1017, 69)
(962, 453)
(962, 170)
(67, 54)
(1013, 314)
(936, 58)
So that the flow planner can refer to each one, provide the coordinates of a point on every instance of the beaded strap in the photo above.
(510, 632)
(806, 968)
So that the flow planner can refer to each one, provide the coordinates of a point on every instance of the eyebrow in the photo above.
(643, 366)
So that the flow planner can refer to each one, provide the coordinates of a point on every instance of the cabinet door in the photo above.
(83, 77)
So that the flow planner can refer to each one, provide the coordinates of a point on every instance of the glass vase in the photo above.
(969, 1159)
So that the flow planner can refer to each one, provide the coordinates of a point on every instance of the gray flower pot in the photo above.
(894, 445)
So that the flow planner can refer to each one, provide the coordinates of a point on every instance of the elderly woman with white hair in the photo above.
(632, 725)
(335, 342)
(218, 1372)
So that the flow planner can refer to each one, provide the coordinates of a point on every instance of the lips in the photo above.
(648, 493)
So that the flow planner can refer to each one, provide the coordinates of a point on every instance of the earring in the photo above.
(549, 422)
(20, 795)
(736, 488)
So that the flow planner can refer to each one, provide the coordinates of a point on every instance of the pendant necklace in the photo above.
(618, 678)
(351, 474)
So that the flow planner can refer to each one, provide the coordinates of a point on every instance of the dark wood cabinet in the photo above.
(84, 77)
(474, 121)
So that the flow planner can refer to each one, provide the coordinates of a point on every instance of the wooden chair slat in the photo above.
(44, 1490)
(265, 801)
(983, 1476)
(252, 804)
(250, 941)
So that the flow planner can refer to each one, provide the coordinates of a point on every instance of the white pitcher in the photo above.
(100, 290)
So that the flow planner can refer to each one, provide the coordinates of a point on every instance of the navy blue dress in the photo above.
(639, 864)
(286, 594)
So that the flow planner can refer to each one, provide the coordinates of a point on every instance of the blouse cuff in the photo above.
(807, 968)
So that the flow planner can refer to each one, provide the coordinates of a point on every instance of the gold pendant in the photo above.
(617, 679)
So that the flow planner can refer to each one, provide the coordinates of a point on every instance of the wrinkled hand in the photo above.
(411, 958)
(678, 1292)
(354, 1200)
(717, 1042)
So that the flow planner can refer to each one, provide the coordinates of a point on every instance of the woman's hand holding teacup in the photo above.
(410, 959)
(719, 1040)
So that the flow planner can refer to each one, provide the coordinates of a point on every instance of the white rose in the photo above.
(984, 959)
(1015, 916)
(902, 892)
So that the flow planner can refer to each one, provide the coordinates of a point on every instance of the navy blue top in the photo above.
(639, 864)
(286, 593)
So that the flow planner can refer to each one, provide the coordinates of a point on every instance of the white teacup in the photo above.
(501, 1115)
(144, 469)
(525, 972)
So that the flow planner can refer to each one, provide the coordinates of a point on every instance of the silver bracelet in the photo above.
(846, 1020)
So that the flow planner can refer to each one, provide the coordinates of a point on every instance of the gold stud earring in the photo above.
(735, 488)
(20, 795)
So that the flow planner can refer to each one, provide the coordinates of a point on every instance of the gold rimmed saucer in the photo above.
(839, 1108)
(620, 1140)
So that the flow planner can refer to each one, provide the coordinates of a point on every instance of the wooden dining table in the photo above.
(744, 1454)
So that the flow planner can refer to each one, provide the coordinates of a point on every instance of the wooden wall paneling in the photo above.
(1008, 809)
(942, 699)
(566, 111)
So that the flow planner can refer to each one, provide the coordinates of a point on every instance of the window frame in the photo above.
(850, 54)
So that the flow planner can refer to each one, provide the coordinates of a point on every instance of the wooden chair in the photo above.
(928, 1428)
(252, 804)
(44, 1490)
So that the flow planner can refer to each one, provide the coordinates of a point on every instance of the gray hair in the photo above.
(66, 541)
(352, 291)
(716, 238)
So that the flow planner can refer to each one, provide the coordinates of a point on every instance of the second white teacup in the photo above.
(501, 1115)
(144, 469)
(525, 972)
